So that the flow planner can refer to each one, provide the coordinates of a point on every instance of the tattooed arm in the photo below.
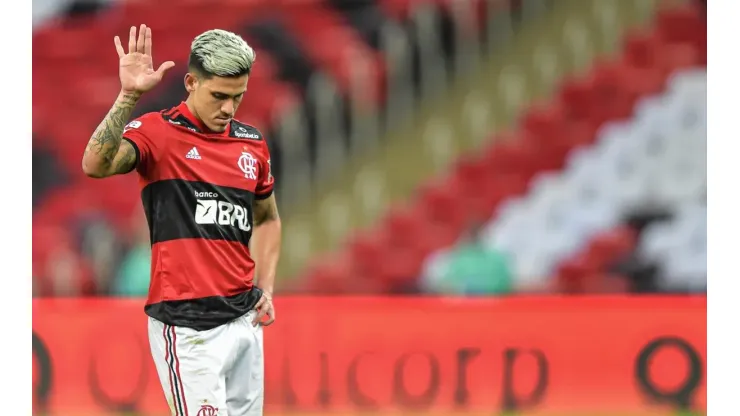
(266, 247)
(106, 153)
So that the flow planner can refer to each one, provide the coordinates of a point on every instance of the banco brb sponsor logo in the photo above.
(214, 211)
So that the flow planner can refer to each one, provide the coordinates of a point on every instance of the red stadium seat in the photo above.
(547, 121)
(399, 9)
(575, 94)
(680, 56)
(616, 102)
(433, 233)
(400, 267)
(475, 185)
(574, 273)
(64, 206)
(469, 176)
(605, 283)
(514, 156)
(641, 49)
(54, 257)
(680, 24)
(402, 227)
(480, 189)
(365, 253)
(45, 237)
(329, 276)
(441, 205)
(609, 246)
(402, 9)
(585, 271)
(333, 46)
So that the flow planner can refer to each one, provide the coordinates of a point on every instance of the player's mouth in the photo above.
(223, 121)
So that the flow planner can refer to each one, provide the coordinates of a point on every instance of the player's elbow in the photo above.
(92, 170)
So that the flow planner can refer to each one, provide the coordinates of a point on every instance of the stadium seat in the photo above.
(607, 247)
(680, 245)
(330, 276)
(365, 252)
(627, 132)
(334, 47)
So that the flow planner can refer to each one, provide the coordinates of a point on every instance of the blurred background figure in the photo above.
(436, 147)
(133, 274)
(470, 267)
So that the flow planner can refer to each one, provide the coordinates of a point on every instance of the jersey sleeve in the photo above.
(265, 181)
(139, 133)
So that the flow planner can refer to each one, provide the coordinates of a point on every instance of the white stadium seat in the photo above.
(656, 158)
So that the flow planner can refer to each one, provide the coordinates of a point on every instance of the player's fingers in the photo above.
(259, 307)
(164, 68)
(260, 315)
(119, 47)
(141, 41)
(132, 39)
(148, 42)
(270, 316)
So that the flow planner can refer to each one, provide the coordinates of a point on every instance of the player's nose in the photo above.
(227, 108)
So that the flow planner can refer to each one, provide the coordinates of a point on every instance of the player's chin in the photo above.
(219, 124)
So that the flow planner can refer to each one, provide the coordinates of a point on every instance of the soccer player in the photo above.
(206, 186)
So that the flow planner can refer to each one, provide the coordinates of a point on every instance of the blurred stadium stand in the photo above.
(598, 188)
(568, 191)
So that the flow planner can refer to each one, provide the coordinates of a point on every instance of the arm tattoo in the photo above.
(125, 160)
(265, 210)
(106, 139)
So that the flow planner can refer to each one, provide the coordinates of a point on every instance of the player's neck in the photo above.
(193, 113)
(196, 118)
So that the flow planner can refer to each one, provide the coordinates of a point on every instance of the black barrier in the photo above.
(683, 396)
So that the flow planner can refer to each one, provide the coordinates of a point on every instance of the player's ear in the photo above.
(190, 82)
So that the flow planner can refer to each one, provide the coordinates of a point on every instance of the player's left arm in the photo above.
(266, 246)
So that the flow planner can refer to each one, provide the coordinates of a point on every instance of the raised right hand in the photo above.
(135, 67)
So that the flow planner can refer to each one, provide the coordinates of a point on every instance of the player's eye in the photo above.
(219, 96)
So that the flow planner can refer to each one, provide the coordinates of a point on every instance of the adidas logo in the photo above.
(193, 154)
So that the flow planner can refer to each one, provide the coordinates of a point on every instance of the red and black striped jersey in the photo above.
(198, 188)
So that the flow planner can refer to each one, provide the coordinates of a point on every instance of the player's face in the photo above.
(216, 99)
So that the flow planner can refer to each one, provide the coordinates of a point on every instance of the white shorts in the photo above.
(219, 372)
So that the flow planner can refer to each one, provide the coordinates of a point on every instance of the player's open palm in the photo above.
(136, 68)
